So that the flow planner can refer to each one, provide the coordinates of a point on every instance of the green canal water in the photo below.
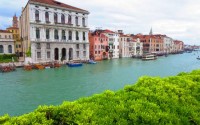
(22, 92)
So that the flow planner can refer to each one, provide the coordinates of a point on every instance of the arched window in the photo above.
(37, 33)
(69, 19)
(77, 37)
(56, 34)
(76, 21)
(83, 36)
(37, 15)
(63, 35)
(70, 35)
(63, 19)
(83, 21)
(9, 49)
(47, 33)
(1, 49)
(55, 18)
(47, 17)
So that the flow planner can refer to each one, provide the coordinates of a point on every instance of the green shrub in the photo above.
(5, 58)
(152, 100)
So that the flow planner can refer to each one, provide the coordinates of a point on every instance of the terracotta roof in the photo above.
(178, 42)
(12, 28)
(4, 31)
(108, 31)
(58, 4)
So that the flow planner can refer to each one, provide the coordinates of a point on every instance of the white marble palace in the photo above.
(54, 31)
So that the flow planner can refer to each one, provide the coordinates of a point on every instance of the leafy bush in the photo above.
(5, 58)
(152, 100)
(28, 53)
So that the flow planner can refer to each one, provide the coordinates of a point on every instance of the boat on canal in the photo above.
(149, 56)
(75, 64)
(198, 58)
(7, 68)
(91, 62)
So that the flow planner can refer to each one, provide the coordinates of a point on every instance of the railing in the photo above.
(37, 21)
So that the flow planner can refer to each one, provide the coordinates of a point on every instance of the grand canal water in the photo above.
(21, 91)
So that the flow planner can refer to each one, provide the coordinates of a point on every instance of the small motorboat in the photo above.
(75, 64)
(91, 62)
(198, 58)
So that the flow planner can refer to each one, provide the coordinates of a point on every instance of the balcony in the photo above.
(84, 25)
(70, 24)
(47, 21)
(37, 21)
(63, 37)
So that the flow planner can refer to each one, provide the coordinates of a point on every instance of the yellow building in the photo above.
(16, 36)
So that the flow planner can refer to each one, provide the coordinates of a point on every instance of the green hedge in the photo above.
(5, 58)
(151, 101)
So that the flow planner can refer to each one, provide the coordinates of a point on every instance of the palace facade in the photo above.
(54, 31)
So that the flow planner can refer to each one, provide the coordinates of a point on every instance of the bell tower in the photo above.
(15, 21)
(151, 31)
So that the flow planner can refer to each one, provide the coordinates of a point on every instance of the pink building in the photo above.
(98, 46)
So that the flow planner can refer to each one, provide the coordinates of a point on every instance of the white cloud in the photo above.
(176, 18)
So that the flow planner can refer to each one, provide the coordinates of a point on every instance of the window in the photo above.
(83, 21)
(77, 46)
(69, 19)
(48, 46)
(38, 46)
(48, 55)
(77, 54)
(6, 36)
(84, 53)
(39, 55)
(37, 33)
(70, 35)
(47, 33)
(37, 15)
(84, 46)
(63, 19)
(47, 17)
(95, 52)
(77, 37)
(99, 52)
(1, 49)
(55, 18)
(56, 34)
(0, 36)
(83, 36)
(9, 49)
(16, 46)
(77, 21)
(19, 46)
(9, 37)
(63, 35)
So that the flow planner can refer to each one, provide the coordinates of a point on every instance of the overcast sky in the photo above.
(179, 19)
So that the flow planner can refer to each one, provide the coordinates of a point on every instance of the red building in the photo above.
(178, 46)
(98, 45)
(151, 43)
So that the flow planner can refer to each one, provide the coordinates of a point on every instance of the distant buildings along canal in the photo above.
(54, 31)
